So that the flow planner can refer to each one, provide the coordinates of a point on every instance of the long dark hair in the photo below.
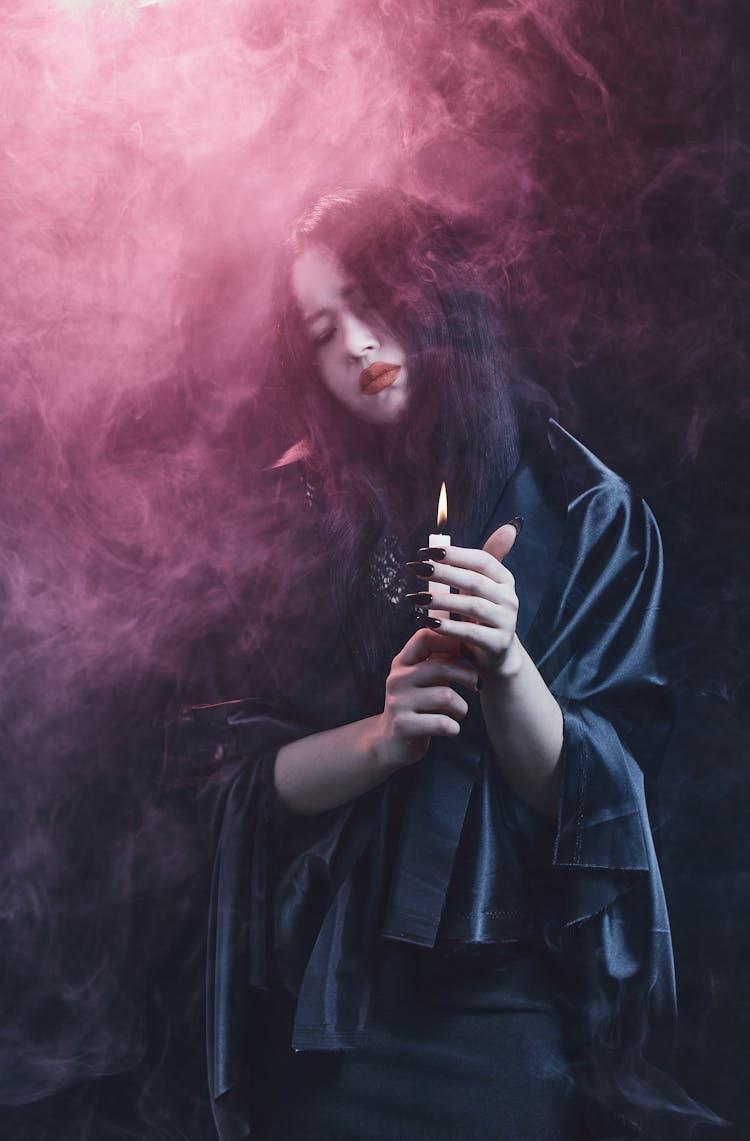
(414, 268)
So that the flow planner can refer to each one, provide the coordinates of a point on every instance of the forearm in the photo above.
(525, 726)
(328, 769)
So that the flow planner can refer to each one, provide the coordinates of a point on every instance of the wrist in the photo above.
(377, 753)
(509, 668)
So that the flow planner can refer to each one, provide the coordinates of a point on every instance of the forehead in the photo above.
(318, 280)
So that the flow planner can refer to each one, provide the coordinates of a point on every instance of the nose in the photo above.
(359, 337)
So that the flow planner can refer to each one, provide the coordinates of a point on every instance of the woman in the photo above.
(436, 910)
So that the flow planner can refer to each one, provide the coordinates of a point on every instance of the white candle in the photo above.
(440, 541)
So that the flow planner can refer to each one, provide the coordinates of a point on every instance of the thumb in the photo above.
(501, 540)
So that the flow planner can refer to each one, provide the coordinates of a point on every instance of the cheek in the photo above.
(394, 345)
(330, 370)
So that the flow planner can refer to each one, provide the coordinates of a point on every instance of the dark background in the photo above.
(152, 156)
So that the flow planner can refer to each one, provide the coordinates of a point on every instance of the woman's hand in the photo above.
(324, 770)
(420, 701)
(487, 605)
(522, 718)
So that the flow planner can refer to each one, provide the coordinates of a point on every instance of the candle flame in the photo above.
(442, 511)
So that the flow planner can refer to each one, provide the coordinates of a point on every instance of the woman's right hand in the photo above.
(327, 769)
(420, 701)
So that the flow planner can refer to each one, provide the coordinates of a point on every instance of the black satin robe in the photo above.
(588, 575)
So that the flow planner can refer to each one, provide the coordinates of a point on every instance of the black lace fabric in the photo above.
(386, 574)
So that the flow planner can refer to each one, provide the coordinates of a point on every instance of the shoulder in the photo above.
(581, 471)
(610, 546)
(589, 492)
(596, 554)
(585, 526)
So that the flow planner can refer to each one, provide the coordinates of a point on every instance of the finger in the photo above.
(501, 541)
(467, 558)
(441, 671)
(497, 546)
(421, 645)
(438, 699)
(497, 615)
(486, 639)
(416, 725)
(484, 578)
(472, 636)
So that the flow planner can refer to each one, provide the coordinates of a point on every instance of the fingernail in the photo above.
(431, 552)
(421, 598)
(433, 623)
(422, 570)
(517, 522)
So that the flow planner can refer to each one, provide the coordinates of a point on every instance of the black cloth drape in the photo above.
(588, 573)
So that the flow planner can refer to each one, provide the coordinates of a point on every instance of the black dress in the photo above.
(434, 937)
(459, 1044)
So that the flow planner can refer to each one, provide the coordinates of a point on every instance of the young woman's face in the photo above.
(359, 360)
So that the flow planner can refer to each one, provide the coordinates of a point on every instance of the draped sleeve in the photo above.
(593, 639)
(233, 745)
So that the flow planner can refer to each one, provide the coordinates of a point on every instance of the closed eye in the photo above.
(322, 338)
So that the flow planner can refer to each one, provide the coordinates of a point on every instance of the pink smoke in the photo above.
(152, 157)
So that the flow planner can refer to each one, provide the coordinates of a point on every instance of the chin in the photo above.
(385, 412)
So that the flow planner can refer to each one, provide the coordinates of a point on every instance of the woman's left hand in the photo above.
(487, 603)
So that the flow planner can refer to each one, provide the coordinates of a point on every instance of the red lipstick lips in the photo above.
(377, 376)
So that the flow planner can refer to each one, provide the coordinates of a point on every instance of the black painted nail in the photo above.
(433, 623)
(431, 552)
(422, 570)
(517, 522)
(420, 598)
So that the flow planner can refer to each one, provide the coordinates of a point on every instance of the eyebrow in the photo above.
(308, 318)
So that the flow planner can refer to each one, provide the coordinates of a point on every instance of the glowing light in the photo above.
(442, 510)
